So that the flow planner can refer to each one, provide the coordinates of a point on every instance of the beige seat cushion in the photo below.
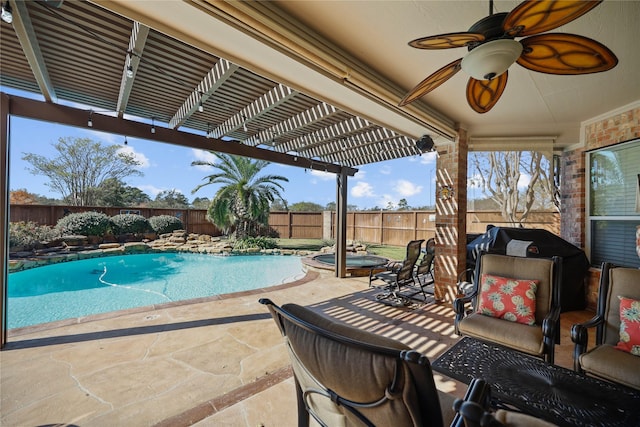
(611, 364)
(524, 338)
(517, 419)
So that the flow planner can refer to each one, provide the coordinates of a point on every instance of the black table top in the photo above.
(555, 394)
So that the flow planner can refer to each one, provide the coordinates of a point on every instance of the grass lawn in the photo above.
(391, 252)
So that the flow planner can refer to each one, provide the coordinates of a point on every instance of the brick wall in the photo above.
(451, 217)
(620, 126)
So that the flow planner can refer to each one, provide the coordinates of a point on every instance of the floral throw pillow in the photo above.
(509, 299)
(629, 326)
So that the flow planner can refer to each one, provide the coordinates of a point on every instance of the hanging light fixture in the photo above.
(125, 141)
(425, 143)
(200, 107)
(153, 125)
(491, 59)
(208, 130)
(90, 121)
(7, 14)
(129, 71)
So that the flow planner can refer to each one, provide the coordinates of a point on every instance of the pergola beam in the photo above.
(75, 117)
(137, 40)
(26, 35)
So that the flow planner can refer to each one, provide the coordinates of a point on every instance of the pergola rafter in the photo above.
(138, 39)
(214, 79)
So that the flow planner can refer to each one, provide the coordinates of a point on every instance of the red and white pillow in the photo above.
(509, 299)
(629, 326)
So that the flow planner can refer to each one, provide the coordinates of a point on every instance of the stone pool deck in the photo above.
(216, 362)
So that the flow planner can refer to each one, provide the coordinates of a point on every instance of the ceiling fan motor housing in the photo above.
(490, 27)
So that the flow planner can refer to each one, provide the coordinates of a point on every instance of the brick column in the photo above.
(451, 216)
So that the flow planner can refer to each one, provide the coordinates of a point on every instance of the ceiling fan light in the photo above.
(491, 59)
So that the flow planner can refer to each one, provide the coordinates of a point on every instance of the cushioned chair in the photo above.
(398, 274)
(533, 333)
(424, 268)
(348, 377)
(604, 360)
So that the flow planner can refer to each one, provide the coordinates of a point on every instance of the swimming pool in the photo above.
(100, 285)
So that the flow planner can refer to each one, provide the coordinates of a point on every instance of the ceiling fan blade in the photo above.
(482, 95)
(446, 41)
(432, 82)
(534, 16)
(559, 53)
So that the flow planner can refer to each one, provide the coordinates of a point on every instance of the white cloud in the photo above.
(140, 157)
(322, 175)
(385, 170)
(523, 181)
(361, 174)
(204, 156)
(362, 189)
(474, 181)
(386, 199)
(407, 188)
(429, 158)
(151, 190)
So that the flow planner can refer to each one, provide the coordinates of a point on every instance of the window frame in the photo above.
(590, 219)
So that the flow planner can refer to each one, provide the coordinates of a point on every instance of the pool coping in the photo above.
(16, 332)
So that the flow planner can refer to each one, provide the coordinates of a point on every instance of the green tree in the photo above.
(81, 166)
(306, 207)
(279, 205)
(170, 199)
(114, 192)
(244, 197)
(200, 203)
(403, 205)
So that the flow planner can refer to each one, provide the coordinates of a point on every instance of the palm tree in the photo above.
(243, 199)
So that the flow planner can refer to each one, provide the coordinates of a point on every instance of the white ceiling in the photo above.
(374, 34)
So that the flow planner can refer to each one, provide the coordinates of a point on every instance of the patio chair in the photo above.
(345, 376)
(424, 269)
(504, 307)
(616, 354)
(398, 274)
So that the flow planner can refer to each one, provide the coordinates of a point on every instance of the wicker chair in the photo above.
(538, 339)
(604, 360)
(348, 377)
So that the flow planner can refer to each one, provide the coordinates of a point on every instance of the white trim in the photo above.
(512, 143)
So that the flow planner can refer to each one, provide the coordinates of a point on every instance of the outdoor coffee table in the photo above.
(528, 384)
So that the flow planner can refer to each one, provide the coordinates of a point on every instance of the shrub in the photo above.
(129, 224)
(85, 224)
(30, 234)
(165, 224)
(256, 242)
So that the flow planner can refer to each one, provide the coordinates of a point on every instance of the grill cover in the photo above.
(533, 242)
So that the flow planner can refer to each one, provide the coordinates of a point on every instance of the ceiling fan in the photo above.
(493, 49)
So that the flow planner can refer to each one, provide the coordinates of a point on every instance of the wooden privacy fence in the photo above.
(394, 228)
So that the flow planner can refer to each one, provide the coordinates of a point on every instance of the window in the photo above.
(613, 204)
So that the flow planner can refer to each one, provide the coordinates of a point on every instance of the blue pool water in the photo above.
(100, 285)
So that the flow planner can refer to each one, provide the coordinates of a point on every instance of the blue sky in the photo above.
(168, 167)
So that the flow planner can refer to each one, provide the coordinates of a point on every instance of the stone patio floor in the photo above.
(216, 362)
